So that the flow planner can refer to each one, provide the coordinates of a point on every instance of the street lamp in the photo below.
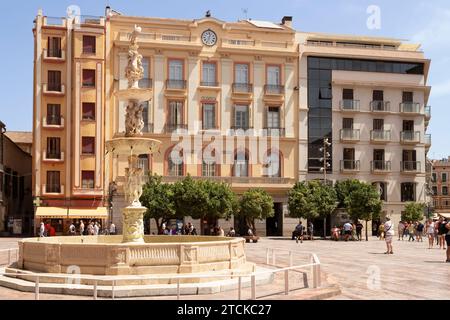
(325, 167)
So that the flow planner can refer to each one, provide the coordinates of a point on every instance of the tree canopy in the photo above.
(361, 200)
(413, 211)
(255, 204)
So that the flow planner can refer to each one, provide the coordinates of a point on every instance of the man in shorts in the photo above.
(388, 235)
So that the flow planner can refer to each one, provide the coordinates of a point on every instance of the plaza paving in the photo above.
(361, 269)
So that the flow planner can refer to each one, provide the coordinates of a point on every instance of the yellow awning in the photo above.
(95, 213)
(51, 212)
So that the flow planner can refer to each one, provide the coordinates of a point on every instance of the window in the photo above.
(241, 119)
(272, 165)
(53, 182)
(445, 191)
(88, 78)
(144, 163)
(87, 179)
(209, 116)
(347, 123)
(175, 164)
(408, 192)
(349, 162)
(381, 188)
(241, 73)
(88, 111)
(209, 168)
(347, 94)
(54, 47)
(88, 145)
(435, 191)
(433, 177)
(444, 177)
(89, 44)
(407, 97)
(241, 165)
(54, 81)
(175, 69)
(175, 112)
(273, 75)
(53, 148)
(378, 95)
(209, 74)
(408, 125)
(145, 82)
(54, 114)
(378, 124)
(273, 118)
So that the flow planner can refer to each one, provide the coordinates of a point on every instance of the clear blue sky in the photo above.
(427, 22)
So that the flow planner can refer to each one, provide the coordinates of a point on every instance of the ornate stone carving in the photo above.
(133, 224)
(134, 120)
(135, 70)
(133, 182)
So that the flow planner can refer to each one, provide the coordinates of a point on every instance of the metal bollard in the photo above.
(95, 290)
(253, 287)
(240, 288)
(178, 289)
(36, 289)
(286, 282)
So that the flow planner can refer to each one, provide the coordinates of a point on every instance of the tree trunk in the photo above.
(325, 228)
(367, 234)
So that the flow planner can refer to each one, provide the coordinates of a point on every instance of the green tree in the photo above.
(414, 211)
(344, 188)
(158, 198)
(362, 202)
(255, 204)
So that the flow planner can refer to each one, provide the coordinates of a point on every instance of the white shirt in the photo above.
(389, 228)
(112, 228)
(348, 226)
(430, 228)
(96, 229)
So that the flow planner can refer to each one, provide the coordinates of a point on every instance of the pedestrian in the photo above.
(401, 230)
(447, 239)
(419, 230)
(430, 233)
(335, 232)
(299, 232)
(348, 230)
(231, 233)
(359, 228)
(354, 235)
(311, 230)
(42, 230)
(389, 234)
(81, 228)
(112, 229)
(436, 231)
(411, 231)
(96, 229)
(221, 232)
(442, 232)
(405, 231)
(72, 229)
(381, 231)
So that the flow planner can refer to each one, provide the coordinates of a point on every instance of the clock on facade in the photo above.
(209, 38)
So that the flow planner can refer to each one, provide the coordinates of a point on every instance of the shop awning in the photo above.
(95, 213)
(51, 212)
(445, 215)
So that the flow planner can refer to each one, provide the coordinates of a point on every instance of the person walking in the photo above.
(299, 230)
(442, 232)
(81, 228)
(96, 229)
(389, 234)
(430, 233)
(42, 230)
(112, 229)
(411, 231)
(72, 230)
(359, 228)
(419, 233)
(401, 230)
(311, 230)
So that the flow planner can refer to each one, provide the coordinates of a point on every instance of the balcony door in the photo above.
(273, 118)
(408, 125)
(54, 80)
(241, 73)
(408, 97)
(241, 164)
(378, 124)
(53, 182)
(175, 113)
(241, 117)
(347, 124)
(273, 75)
(54, 47)
(175, 70)
(54, 114)
(409, 160)
(379, 159)
(209, 74)
(349, 159)
(53, 148)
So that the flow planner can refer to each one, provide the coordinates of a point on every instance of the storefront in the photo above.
(60, 219)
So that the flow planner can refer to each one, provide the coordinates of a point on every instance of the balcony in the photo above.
(350, 166)
(54, 89)
(241, 131)
(244, 88)
(380, 106)
(176, 84)
(54, 55)
(89, 21)
(410, 107)
(427, 140)
(379, 166)
(55, 22)
(274, 132)
(52, 156)
(209, 84)
(350, 135)
(146, 83)
(175, 128)
(350, 105)
(427, 112)
(270, 89)
(53, 122)
(410, 166)
(410, 137)
(380, 136)
(52, 189)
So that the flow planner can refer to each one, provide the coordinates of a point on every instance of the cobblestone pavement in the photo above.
(361, 269)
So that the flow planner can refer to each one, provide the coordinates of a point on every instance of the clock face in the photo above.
(209, 38)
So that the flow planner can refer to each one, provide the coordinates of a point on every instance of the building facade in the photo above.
(249, 94)
(440, 186)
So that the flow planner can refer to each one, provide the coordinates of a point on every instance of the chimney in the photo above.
(287, 21)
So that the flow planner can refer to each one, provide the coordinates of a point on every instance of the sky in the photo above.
(425, 22)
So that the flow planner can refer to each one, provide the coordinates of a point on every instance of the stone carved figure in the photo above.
(134, 120)
(134, 226)
(133, 183)
(135, 70)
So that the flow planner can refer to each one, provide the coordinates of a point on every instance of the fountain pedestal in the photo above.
(133, 224)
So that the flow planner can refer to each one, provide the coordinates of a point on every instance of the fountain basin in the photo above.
(159, 255)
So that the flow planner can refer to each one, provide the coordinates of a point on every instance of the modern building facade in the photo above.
(440, 186)
(16, 202)
(249, 94)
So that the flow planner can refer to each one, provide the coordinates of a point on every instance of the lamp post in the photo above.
(325, 166)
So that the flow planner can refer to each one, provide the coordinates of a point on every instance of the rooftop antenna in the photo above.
(245, 12)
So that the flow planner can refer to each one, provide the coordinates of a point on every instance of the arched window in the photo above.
(175, 163)
(272, 164)
(241, 165)
(209, 164)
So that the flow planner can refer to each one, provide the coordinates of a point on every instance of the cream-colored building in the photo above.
(440, 183)
(265, 92)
